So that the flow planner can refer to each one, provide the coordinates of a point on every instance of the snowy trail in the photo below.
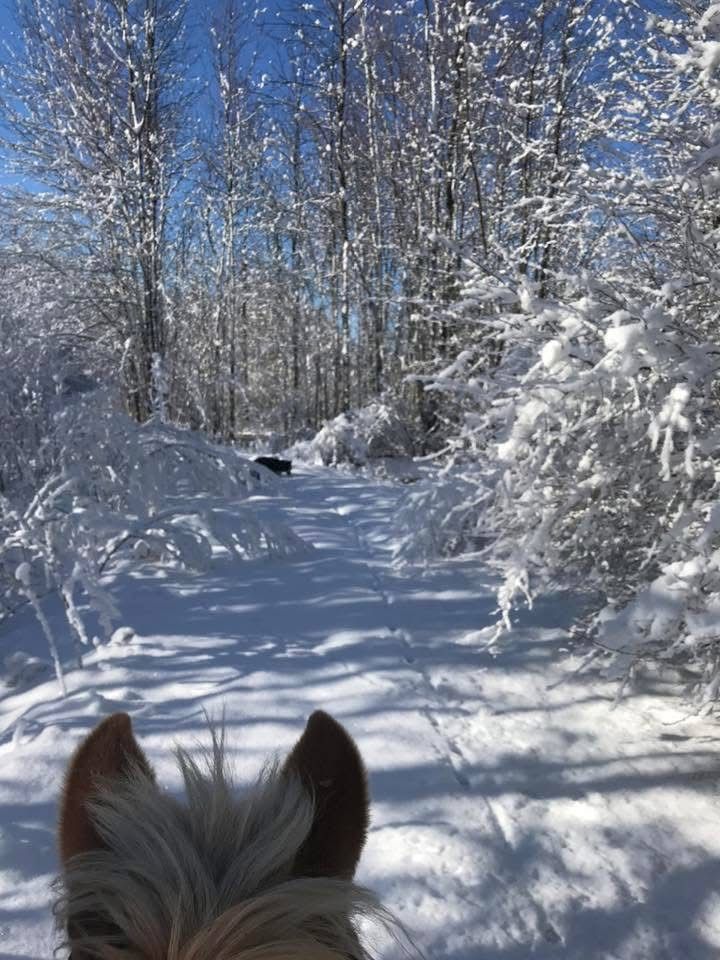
(515, 814)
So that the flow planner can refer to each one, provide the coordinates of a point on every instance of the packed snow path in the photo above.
(516, 813)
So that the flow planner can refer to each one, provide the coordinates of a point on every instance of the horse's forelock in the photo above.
(301, 919)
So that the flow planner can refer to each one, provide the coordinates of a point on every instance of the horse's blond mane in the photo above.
(210, 878)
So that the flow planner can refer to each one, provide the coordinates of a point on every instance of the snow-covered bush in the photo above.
(439, 518)
(375, 431)
(41, 369)
(115, 490)
(588, 454)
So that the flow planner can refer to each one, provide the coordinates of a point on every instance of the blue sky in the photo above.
(5, 18)
(198, 16)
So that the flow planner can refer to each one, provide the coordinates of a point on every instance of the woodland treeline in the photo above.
(258, 215)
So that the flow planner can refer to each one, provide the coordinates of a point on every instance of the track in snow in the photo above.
(514, 815)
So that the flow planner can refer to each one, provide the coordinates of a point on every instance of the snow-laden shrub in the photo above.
(588, 454)
(369, 433)
(116, 490)
(439, 518)
(36, 378)
(45, 362)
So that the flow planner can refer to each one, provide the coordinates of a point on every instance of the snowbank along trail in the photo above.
(516, 813)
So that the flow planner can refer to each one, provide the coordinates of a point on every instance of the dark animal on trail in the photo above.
(263, 874)
(275, 464)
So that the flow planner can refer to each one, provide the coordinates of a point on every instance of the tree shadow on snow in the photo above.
(269, 641)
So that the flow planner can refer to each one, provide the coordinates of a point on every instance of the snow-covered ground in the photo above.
(516, 812)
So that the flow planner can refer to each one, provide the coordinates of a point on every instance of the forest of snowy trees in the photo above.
(496, 222)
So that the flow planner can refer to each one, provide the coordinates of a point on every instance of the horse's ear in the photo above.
(110, 751)
(328, 762)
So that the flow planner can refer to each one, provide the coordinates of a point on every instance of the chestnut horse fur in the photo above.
(269, 870)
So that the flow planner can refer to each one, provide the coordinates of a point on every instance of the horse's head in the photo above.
(263, 874)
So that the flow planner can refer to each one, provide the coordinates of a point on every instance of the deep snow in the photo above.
(517, 813)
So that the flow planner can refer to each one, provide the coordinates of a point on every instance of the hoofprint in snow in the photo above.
(517, 811)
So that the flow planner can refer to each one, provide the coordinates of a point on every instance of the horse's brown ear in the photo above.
(111, 750)
(328, 762)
